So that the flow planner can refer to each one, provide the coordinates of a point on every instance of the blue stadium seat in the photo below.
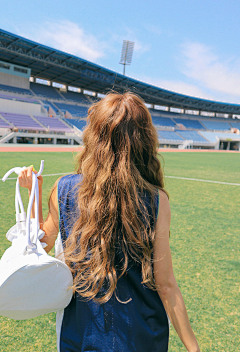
(47, 104)
(212, 136)
(19, 98)
(169, 135)
(162, 113)
(195, 124)
(162, 121)
(45, 91)
(74, 110)
(78, 97)
(235, 124)
(15, 89)
(192, 135)
(216, 125)
(93, 99)
(80, 124)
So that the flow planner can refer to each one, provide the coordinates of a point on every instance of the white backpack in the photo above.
(32, 283)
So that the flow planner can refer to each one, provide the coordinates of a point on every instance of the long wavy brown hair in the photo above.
(118, 163)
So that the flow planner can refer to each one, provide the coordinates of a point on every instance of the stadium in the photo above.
(45, 95)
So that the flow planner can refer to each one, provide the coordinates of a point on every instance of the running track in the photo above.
(39, 148)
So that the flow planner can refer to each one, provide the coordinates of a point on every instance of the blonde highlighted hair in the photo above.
(118, 163)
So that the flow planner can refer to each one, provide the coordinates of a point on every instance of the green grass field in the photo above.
(204, 242)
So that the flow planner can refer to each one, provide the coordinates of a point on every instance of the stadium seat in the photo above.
(163, 113)
(15, 89)
(194, 124)
(48, 104)
(192, 135)
(18, 98)
(53, 124)
(169, 135)
(45, 91)
(216, 125)
(78, 97)
(162, 121)
(80, 124)
(93, 99)
(4, 124)
(213, 136)
(23, 122)
(235, 124)
(74, 110)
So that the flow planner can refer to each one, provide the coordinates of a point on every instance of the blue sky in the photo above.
(188, 46)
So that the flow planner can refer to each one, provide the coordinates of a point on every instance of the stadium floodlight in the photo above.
(127, 52)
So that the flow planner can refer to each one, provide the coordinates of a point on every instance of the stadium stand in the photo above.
(163, 113)
(45, 91)
(53, 124)
(212, 137)
(192, 135)
(192, 124)
(216, 125)
(23, 122)
(93, 99)
(80, 124)
(4, 124)
(48, 104)
(19, 98)
(74, 110)
(168, 109)
(162, 121)
(235, 124)
(15, 89)
(170, 135)
(77, 97)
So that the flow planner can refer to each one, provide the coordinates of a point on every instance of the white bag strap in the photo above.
(34, 193)
(21, 217)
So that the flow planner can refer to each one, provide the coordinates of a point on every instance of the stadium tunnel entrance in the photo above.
(229, 145)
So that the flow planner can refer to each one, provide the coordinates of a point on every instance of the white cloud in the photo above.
(209, 70)
(71, 38)
(205, 75)
(153, 29)
(141, 47)
(129, 34)
(178, 87)
(184, 88)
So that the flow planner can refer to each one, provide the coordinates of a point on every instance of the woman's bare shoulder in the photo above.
(163, 195)
(164, 205)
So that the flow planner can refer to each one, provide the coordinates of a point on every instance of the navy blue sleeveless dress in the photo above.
(141, 325)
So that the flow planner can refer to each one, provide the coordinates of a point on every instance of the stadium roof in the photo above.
(57, 66)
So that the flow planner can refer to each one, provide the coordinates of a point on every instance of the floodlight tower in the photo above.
(127, 52)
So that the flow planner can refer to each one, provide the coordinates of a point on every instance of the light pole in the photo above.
(126, 55)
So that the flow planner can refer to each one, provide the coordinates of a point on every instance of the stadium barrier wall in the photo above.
(13, 106)
(14, 81)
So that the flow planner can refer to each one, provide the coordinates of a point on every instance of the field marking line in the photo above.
(59, 174)
(176, 177)
(200, 180)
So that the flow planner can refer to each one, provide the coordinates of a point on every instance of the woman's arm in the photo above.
(167, 286)
(50, 225)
